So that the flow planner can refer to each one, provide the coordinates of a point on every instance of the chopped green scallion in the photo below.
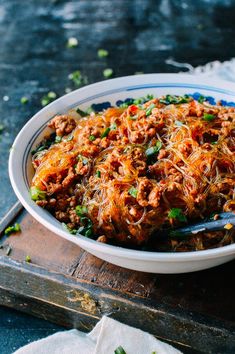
(102, 53)
(113, 126)
(77, 78)
(133, 192)
(108, 73)
(98, 174)
(119, 350)
(105, 133)
(37, 194)
(149, 109)
(81, 210)
(201, 99)
(58, 139)
(172, 99)
(154, 149)
(81, 112)
(48, 98)
(68, 229)
(24, 100)
(208, 117)
(10, 229)
(70, 137)
(72, 42)
(92, 137)
(28, 259)
(177, 213)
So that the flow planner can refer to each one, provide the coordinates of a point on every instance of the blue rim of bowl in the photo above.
(102, 94)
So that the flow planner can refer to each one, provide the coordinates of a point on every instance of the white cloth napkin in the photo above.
(215, 69)
(105, 338)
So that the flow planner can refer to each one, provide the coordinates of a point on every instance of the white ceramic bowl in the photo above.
(20, 168)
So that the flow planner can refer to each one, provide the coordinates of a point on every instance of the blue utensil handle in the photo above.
(213, 225)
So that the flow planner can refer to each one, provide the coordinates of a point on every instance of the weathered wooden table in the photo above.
(140, 35)
(66, 285)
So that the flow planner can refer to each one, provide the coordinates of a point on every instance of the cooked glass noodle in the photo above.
(128, 172)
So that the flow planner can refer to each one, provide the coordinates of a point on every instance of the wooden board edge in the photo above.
(78, 299)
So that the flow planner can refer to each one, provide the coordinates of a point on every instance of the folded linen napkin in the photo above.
(214, 69)
(105, 338)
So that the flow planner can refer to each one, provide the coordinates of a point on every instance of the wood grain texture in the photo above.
(66, 285)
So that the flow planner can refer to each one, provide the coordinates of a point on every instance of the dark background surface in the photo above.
(140, 36)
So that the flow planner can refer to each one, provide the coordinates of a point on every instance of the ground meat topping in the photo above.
(63, 125)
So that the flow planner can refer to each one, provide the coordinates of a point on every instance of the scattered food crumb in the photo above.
(108, 72)
(10, 229)
(228, 226)
(216, 217)
(102, 53)
(72, 42)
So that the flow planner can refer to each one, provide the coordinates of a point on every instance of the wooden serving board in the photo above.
(66, 285)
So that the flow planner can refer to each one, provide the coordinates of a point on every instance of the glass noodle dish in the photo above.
(127, 173)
